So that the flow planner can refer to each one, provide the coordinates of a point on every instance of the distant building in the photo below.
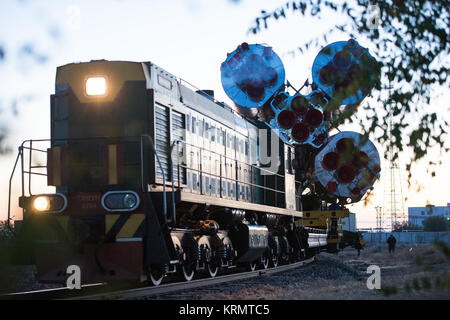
(349, 224)
(416, 215)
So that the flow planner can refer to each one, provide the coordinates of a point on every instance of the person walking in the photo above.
(391, 241)
(358, 245)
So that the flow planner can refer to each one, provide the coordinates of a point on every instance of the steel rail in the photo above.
(97, 291)
(48, 294)
(190, 285)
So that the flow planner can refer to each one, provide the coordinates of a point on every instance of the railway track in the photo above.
(195, 284)
(97, 291)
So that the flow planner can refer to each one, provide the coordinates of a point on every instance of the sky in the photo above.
(189, 38)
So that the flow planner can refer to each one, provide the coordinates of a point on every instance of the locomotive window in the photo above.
(201, 125)
(213, 133)
(223, 137)
(194, 181)
(206, 184)
(289, 161)
(257, 151)
(194, 124)
(188, 122)
(164, 82)
(188, 182)
(213, 185)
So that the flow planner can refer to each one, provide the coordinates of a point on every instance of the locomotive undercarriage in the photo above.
(245, 242)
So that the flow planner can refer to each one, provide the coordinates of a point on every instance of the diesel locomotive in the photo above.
(154, 177)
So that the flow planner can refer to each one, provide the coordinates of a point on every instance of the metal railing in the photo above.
(26, 145)
(27, 173)
(163, 176)
(223, 158)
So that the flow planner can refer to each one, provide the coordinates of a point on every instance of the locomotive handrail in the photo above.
(174, 215)
(162, 170)
(241, 162)
(10, 184)
(29, 172)
(181, 81)
(35, 149)
(176, 141)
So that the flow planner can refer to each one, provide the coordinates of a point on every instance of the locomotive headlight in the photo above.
(120, 201)
(50, 203)
(41, 203)
(95, 86)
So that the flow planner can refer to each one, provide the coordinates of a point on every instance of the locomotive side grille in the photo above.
(162, 131)
(178, 126)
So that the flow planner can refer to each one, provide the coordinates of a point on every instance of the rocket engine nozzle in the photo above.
(251, 75)
(346, 72)
(346, 167)
(286, 119)
(301, 119)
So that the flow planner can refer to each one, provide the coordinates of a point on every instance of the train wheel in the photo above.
(252, 266)
(285, 259)
(156, 277)
(187, 271)
(275, 261)
(265, 262)
(212, 270)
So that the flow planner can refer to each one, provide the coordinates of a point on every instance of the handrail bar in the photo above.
(176, 141)
(174, 215)
(10, 185)
(162, 170)
(35, 149)
(229, 158)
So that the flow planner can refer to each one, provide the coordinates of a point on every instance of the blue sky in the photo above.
(189, 38)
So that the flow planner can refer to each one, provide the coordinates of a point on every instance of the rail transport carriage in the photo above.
(153, 177)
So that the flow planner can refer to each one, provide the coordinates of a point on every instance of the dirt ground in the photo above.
(412, 272)
(20, 278)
